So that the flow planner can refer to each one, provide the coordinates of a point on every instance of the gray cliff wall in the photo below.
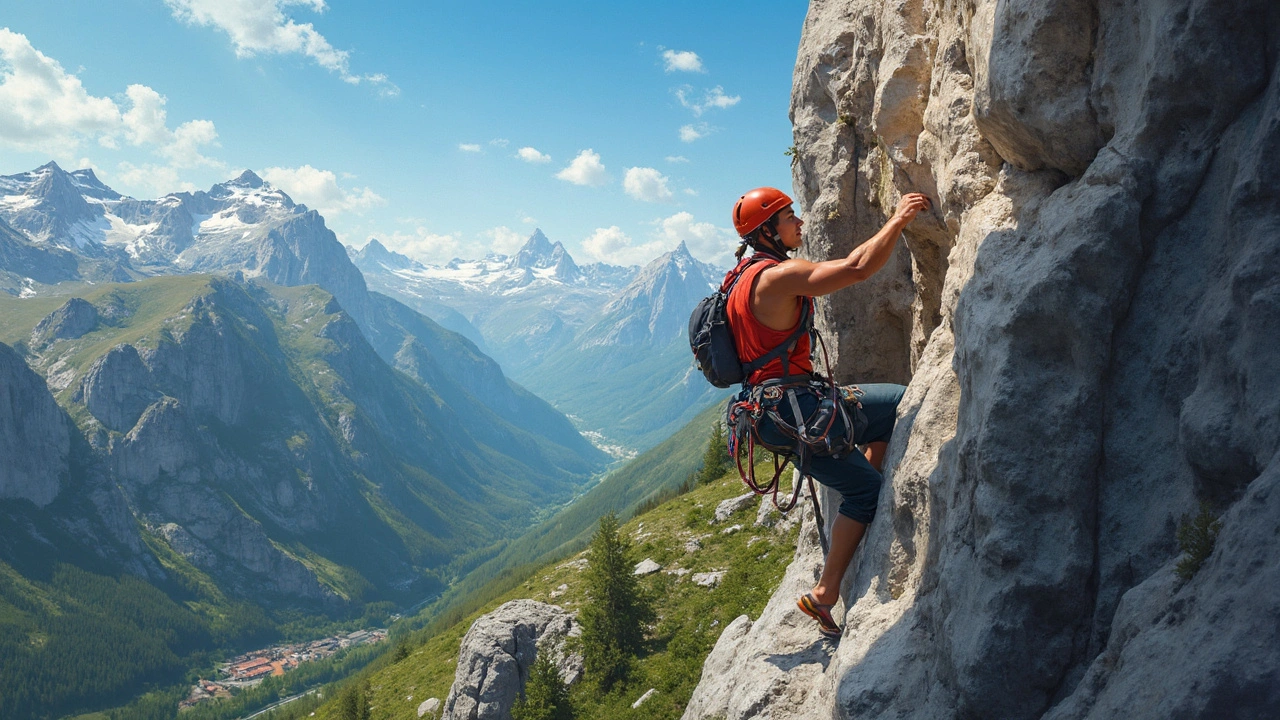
(35, 434)
(1087, 323)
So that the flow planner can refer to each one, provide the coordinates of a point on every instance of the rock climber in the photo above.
(763, 310)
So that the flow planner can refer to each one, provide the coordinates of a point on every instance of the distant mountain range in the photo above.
(603, 343)
(263, 429)
(202, 393)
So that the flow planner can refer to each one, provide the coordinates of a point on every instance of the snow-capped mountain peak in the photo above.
(247, 179)
(377, 254)
(247, 189)
(535, 253)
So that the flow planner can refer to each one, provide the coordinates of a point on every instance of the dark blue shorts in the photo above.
(852, 476)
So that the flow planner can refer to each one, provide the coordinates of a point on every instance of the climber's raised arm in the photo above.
(800, 278)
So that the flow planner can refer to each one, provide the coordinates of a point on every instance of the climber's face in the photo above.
(789, 225)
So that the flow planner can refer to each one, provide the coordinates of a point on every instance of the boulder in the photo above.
(707, 579)
(646, 567)
(497, 653)
(429, 707)
(728, 507)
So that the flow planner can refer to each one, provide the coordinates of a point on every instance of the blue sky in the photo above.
(443, 129)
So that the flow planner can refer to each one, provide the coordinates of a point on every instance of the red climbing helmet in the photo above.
(756, 206)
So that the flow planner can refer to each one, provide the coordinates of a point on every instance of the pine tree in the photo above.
(715, 459)
(349, 704)
(354, 704)
(617, 610)
(545, 695)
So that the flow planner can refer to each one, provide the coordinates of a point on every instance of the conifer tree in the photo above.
(715, 459)
(545, 695)
(354, 704)
(617, 610)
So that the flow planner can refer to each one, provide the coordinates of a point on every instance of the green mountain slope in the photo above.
(690, 616)
(226, 448)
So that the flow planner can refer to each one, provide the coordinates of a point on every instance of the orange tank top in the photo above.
(752, 338)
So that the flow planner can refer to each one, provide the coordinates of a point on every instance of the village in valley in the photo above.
(253, 667)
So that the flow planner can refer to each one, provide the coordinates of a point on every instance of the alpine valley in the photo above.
(214, 433)
(605, 344)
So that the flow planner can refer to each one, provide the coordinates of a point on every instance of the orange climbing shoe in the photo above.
(822, 613)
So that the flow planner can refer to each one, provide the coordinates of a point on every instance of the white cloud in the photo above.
(261, 26)
(469, 147)
(717, 98)
(318, 189)
(42, 107)
(676, 159)
(646, 184)
(504, 240)
(46, 109)
(612, 245)
(682, 61)
(713, 98)
(691, 192)
(423, 245)
(500, 142)
(146, 123)
(159, 179)
(689, 133)
(586, 169)
(706, 242)
(532, 155)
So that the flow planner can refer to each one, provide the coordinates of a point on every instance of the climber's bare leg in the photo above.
(875, 454)
(846, 533)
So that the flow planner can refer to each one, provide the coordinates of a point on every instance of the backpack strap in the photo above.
(782, 351)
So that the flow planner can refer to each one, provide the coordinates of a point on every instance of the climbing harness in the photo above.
(810, 436)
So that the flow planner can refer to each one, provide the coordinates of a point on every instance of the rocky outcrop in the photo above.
(76, 317)
(35, 434)
(1083, 319)
(497, 653)
(117, 388)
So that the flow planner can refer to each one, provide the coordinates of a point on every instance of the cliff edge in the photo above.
(1086, 320)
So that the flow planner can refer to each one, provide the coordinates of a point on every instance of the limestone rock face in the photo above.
(1085, 320)
(35, 434)
(497, 653)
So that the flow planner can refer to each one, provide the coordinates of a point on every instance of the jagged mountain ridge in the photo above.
(245, 225)
(254, 429)
(516, 306)
(585, 337)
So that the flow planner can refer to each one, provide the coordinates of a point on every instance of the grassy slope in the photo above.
(691, 617)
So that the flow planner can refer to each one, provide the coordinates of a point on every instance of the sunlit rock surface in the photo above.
(497, 653)
(1087, 321)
